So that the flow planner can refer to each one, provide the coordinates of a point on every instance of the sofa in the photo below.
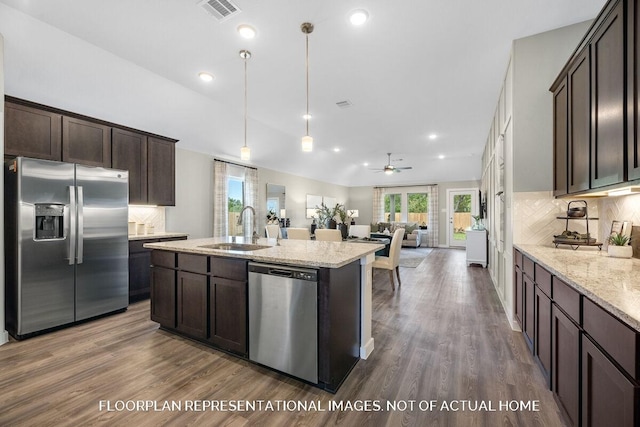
(411, 235)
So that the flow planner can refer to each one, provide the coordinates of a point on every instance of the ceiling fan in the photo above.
(389, 169)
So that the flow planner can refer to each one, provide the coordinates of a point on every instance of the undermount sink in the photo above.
(235, 246)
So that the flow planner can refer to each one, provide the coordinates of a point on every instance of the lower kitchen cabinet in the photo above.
(528, 297)
(163, 296)
(140, 267)
(609, 397)
(542, 341)
(192, 304)
(565, 363)
(517, 292)
(228, 314)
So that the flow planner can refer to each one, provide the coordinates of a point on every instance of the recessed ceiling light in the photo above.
(207, 77)
(247, 31)
(441, 156)
(306, 116)
(337, 150)
(365, 164)
(433, 136)
(358, 17)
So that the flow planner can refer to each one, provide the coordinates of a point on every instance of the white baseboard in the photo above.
(4, 337)
(366, 349)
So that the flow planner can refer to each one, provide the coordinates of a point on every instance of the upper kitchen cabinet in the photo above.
(161, 162)
(32, 132)
(86, 142)
(560, 138)
(42, 132)
(633, 87)
(579, 141)
(150, 161)
(608, 98)
(596, 91)
(129, 152)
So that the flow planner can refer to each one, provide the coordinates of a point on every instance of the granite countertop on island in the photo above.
(613, 283)
(157, 235)
(309, 253)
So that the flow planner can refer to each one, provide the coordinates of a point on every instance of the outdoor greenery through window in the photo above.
(392, 203)
(417, 204)
(461, 215)
(236, 203)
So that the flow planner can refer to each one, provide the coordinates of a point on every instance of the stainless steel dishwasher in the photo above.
(283, 319)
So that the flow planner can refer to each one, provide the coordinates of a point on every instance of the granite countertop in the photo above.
(156, 235)
(613, 283)
(308, 253)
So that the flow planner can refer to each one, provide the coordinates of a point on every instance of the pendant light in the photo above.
(307, 140)
(245, 152)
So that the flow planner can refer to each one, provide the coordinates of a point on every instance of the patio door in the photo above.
(461, 205)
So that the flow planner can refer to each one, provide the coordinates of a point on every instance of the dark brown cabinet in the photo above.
(528, 298)
(542, 342)
(140, 267)
(608, 97)
(129, 152)
(160, 172)
(579, 140)
(163, 296)
(42, 132)
(32, 132)
(517, 293)
(192, 304)
(86, 142)
(565, 354)
(609, 398)
(633, 89)
(560, 139)
(228, 314)
(228, 301)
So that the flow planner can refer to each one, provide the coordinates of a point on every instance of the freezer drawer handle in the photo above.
(72, 225)
(80, 224)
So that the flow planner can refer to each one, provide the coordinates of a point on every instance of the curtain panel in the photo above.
(432, 232)
(378, 204)
(220, 199)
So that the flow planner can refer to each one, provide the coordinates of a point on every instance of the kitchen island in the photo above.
(200, 289)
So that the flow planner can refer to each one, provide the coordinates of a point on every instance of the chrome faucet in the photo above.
(254, 237)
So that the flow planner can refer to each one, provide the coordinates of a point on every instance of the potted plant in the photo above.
(324, 215)
(477, 225)
(342, 213)
(619, 247)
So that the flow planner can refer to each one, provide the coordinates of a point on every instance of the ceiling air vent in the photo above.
(220, 9)
(344, 104)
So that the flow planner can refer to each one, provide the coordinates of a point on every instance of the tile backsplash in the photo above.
(535, 218)
(148, 215)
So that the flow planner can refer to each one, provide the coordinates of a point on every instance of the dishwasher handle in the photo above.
(280, 272)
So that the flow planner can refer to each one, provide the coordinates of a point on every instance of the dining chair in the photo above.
(328, 235)
(360, 230)
(273, 231)
(392, 262)
(298, 234)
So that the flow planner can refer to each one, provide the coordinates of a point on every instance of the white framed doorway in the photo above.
(462, 204)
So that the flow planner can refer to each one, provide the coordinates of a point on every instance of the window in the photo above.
(418, 208)
(392, 203)
(235, 190)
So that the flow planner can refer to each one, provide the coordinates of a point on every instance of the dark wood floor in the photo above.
(442, 336)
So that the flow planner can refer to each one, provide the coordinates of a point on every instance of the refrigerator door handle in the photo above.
(72, 225)
(80, 224)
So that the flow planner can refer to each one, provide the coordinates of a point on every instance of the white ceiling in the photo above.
(416, 67)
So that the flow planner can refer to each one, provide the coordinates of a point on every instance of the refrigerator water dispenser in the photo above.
(49, 221)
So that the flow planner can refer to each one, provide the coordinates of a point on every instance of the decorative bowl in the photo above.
(577, 212)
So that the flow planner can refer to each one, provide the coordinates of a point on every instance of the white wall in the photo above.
(3, 333)
(537, 61)
(193, 212)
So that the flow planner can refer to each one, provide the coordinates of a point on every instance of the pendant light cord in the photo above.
(245, 101)
(306, 63)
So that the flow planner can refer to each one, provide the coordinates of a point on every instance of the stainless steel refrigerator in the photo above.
(66, 244)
